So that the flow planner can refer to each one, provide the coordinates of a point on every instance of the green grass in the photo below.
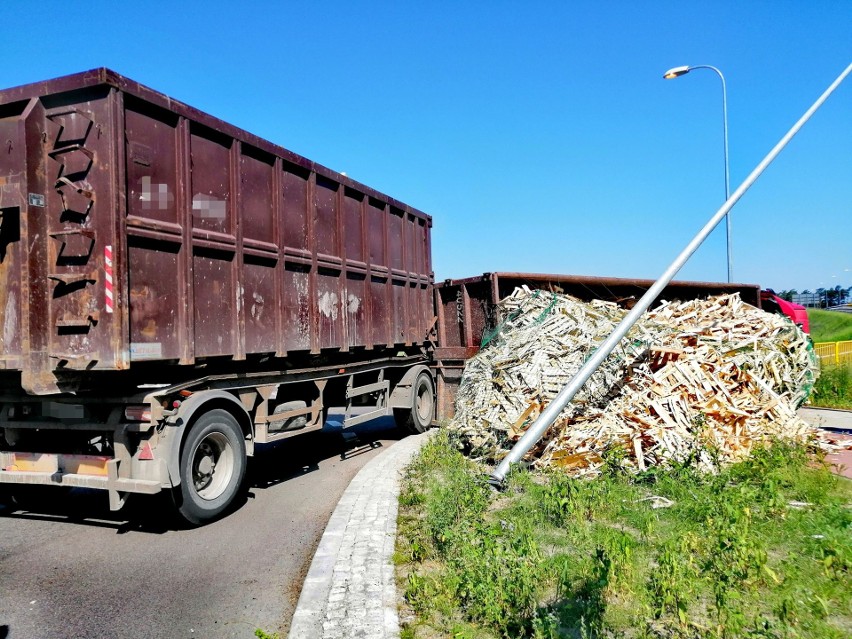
(833, 389)
(830, 326)
(557, 557)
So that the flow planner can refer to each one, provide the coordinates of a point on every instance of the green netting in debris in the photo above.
(808, 386)
(487, 337)
(546, 312)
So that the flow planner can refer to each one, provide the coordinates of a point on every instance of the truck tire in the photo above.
(212, 467)
(418, 418)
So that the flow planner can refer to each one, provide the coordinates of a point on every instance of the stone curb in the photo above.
(350, 589)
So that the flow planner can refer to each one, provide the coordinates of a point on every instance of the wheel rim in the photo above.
(423, 404)
(212, 465)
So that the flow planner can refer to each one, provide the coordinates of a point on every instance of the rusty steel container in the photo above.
(467, 310)
(137, 229)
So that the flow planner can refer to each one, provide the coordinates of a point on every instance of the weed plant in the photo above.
(833, 389)
(761, 549)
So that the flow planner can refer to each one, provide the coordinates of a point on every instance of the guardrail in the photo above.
(834, 352)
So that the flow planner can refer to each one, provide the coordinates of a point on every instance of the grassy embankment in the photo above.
(834, 387)
(830, 326)
(761, 550)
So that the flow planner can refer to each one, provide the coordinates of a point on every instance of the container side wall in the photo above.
(78, 229)
(399, 276)
(297, 324)
(213, 244)
(13, 204)
(155, 227)
(72, 292)
(421, 315)
(355, 303)
(329, 292)
(260, 251)
(469, 307)
(379, 284)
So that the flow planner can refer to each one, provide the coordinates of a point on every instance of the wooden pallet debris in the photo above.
(705, 380)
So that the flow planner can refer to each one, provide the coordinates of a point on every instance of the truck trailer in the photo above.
(174, 290)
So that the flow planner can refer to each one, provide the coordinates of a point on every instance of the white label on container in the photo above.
(146, 350)
(35, 199)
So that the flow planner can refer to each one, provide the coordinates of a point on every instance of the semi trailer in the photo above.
(175, 291)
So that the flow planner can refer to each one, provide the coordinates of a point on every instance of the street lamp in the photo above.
(676, 72)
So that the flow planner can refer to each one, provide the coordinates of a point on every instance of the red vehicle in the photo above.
(770, 302)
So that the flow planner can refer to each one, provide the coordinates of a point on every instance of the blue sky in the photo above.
(540, 136)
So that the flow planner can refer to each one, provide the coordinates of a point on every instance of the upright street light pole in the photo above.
(676, 73)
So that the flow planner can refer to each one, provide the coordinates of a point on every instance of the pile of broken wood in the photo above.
(704, 380)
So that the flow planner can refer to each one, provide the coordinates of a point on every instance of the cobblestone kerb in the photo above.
(350, 590)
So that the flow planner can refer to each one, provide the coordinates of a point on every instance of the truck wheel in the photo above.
(212, 466)
(418, 418)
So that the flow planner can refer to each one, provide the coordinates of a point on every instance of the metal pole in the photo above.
(728, 234)
(552, 411)
(727, 178)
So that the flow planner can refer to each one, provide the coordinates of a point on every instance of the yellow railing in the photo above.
(834, 352)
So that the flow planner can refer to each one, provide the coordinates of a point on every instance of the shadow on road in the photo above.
(271, 465)
(300, 455)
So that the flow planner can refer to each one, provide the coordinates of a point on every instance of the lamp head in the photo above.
(676, 72)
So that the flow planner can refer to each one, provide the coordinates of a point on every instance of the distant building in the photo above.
(812, 300)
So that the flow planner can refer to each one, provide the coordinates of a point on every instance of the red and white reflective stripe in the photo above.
(146, 453)
(108, 278)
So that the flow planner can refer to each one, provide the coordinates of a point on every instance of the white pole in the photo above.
(728, 233)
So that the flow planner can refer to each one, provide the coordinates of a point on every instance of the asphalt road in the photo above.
(839, 424)
(71, 569)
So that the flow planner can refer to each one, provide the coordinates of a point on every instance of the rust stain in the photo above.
(150, 329)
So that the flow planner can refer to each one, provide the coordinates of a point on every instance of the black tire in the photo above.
(212, 467)
(418, 418)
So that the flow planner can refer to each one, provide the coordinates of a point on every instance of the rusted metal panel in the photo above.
(467, 306)
(621, 290)
(69, 297)
(13, 204)
(157, 233)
